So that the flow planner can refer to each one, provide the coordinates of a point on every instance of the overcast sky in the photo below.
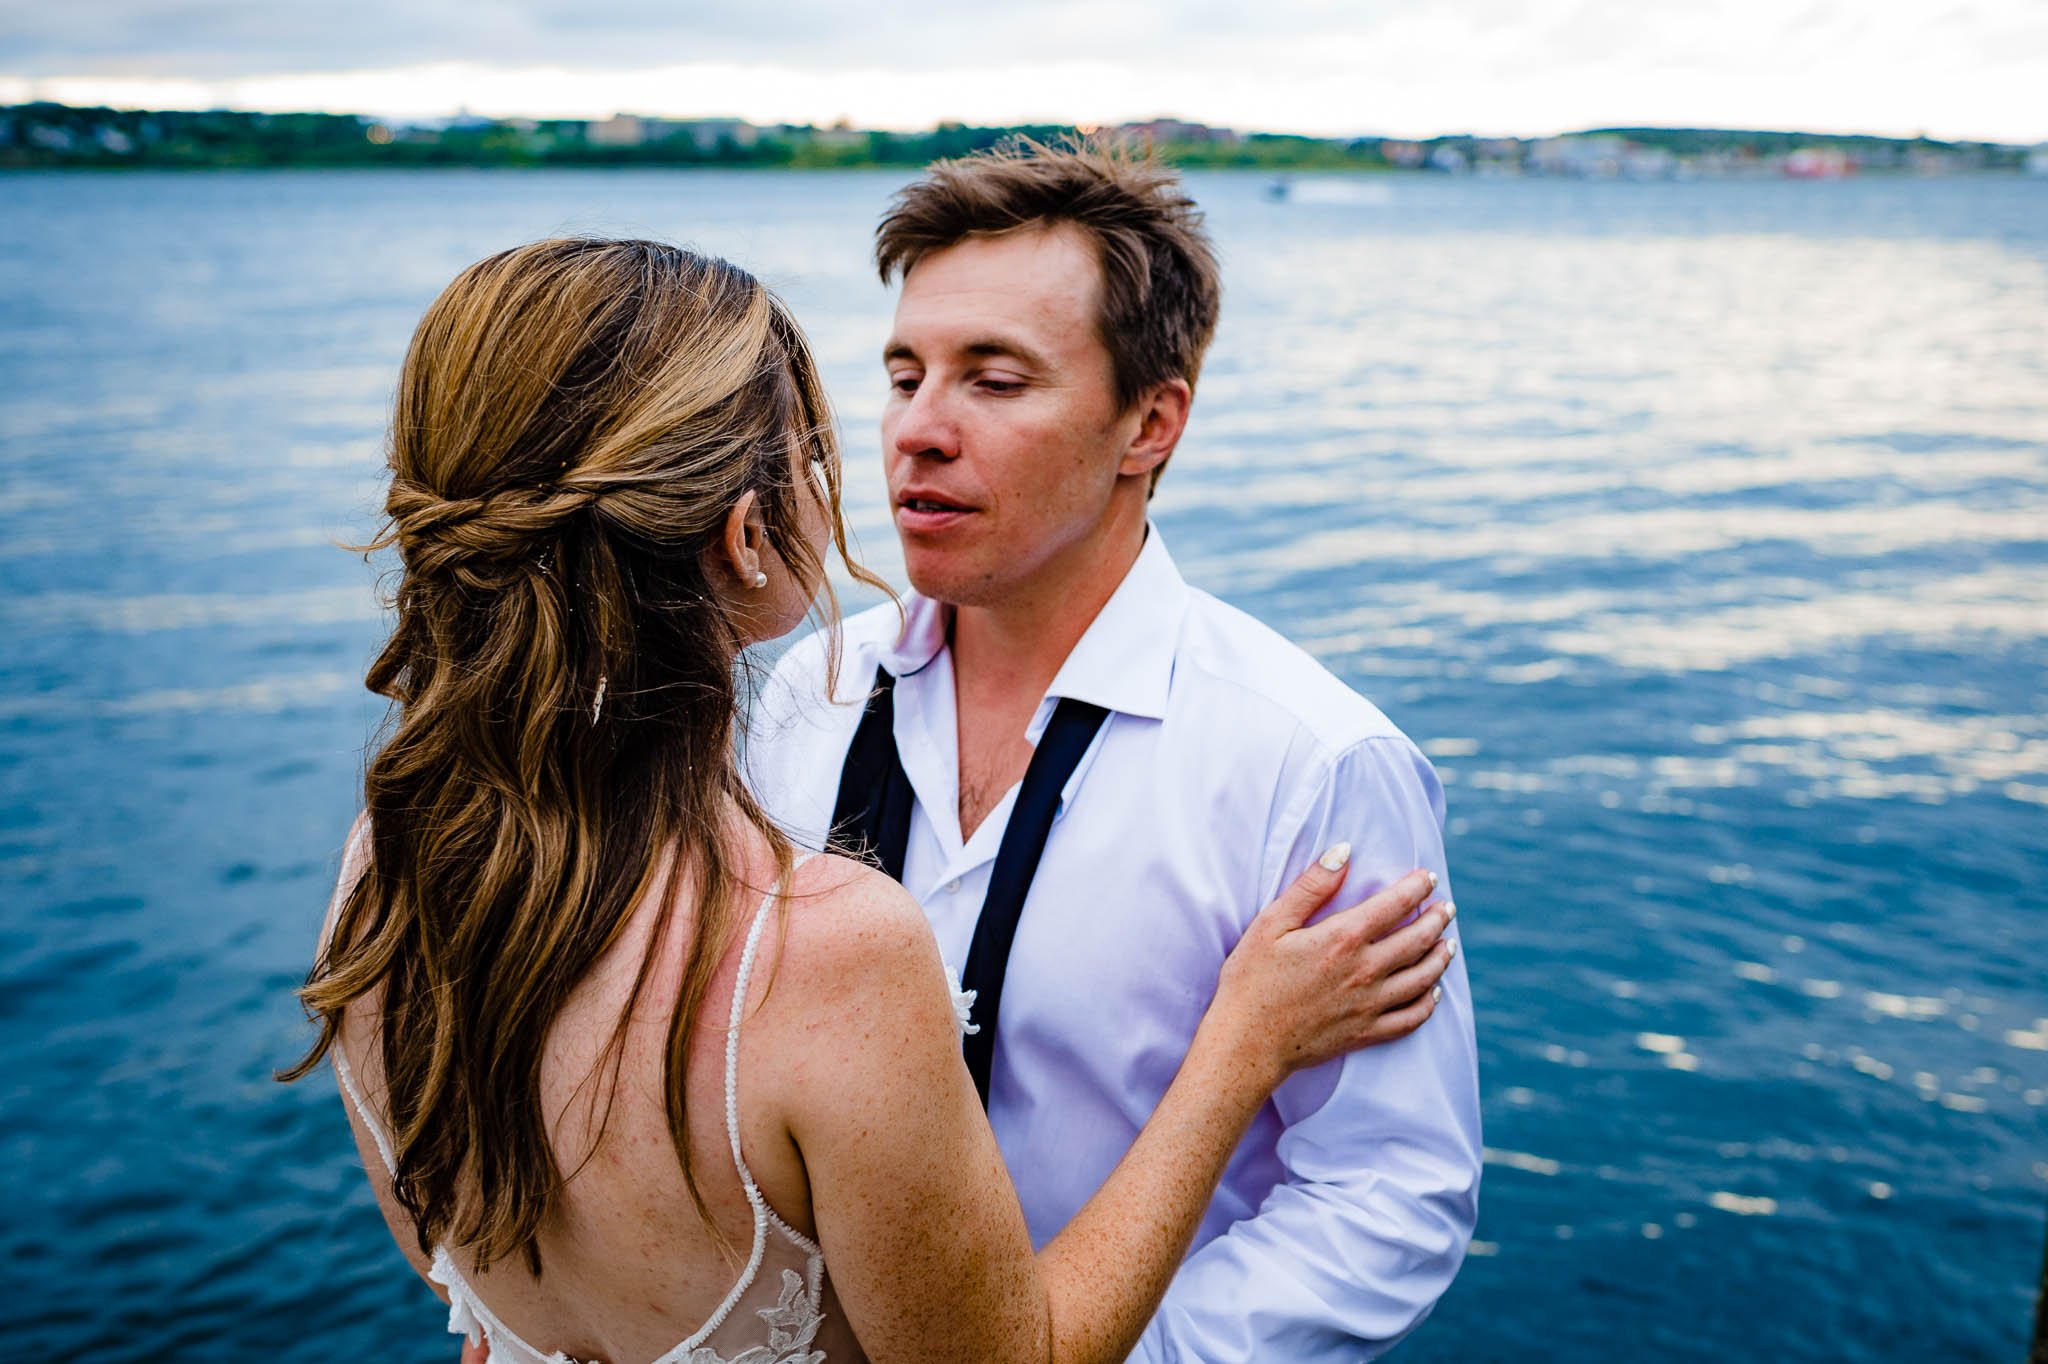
(1966, 69)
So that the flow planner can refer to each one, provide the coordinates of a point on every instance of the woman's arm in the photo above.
(921, 1226)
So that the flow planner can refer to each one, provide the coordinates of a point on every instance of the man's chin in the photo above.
(945, 579)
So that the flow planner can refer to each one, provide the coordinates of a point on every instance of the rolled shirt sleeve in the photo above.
(1381, 1149)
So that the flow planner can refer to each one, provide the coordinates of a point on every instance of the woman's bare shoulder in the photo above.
(855, 939)
(843, 912)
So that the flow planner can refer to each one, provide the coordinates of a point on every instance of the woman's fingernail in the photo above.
(1452, 944)
(1436, 994)
(1432, 879)
(1450, 910)
(1335, 858)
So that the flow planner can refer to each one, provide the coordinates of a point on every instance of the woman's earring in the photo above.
(597, 706)
(760, 580)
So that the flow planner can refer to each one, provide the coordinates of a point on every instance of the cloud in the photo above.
(1323, 66)
(232, 38)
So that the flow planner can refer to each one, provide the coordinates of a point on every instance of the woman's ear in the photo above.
(741, 545)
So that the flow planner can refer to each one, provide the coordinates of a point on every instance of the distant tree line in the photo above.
(63, 135)
(57, 135)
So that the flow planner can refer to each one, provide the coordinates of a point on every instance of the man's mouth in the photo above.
(921, 513)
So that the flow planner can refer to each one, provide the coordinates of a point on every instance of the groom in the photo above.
(1092, 775)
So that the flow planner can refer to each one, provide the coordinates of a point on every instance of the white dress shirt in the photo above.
(1230, 759)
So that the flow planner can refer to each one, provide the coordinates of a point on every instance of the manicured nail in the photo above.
(1432, 879)
(1436, 994)
(1450, 910)
(1335, 858)
(1452, 944)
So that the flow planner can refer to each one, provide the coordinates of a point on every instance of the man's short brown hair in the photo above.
(1160, 284)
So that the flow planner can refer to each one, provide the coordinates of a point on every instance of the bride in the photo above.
(634, 1078)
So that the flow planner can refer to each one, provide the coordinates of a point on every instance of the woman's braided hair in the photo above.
(478, 542)
(575, 420)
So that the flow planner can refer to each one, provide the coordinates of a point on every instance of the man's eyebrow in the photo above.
(1003, 345)
(979, 346)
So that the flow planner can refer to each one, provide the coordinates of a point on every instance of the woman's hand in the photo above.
(1294, 994)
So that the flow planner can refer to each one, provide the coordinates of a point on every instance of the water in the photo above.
(1696, 530)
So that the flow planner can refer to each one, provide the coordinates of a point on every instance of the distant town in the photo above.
(57, 135)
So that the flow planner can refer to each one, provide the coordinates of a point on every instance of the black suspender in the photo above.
(871, 819)
(1060, 748)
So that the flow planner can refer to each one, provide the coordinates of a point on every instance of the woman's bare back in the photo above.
(630, 1270)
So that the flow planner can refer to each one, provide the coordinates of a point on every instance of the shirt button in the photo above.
(953, 886)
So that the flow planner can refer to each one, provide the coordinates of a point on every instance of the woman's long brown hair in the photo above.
(575, 420)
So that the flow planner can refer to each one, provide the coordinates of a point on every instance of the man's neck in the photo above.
(1014, 649)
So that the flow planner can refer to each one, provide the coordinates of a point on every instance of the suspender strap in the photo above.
(871, 820)
(1066, 738)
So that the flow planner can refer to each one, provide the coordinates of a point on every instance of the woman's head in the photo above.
(579, 419)
(612, 467)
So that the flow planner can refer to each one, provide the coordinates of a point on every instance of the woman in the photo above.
(628, 1071)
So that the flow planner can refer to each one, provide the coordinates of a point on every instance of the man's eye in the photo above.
(1001, 385)
(905, 384)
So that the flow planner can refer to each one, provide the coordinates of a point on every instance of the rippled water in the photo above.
(1697, 531)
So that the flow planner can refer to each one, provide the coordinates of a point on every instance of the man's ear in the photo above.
(742, 541)
(1162, 416)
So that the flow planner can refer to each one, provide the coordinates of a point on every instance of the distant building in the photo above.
(842, 133)
(1603, 156)
(1173, 130)
(1819, 163)
(1597, 156)
(1497, 155)
(1444, 157)
(1648, 163)
(1933, 160)
(620, 130)
(1407, 155)
(709, 134)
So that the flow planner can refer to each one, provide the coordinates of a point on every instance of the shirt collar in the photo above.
(1123, 663)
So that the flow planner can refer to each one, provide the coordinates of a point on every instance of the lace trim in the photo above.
(476, 1323)
(792, 1325)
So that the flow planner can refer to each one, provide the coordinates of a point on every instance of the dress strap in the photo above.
(352, 862)
(362, 1107)
(732, 1065)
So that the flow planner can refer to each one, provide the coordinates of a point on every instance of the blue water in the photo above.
(1699, 532)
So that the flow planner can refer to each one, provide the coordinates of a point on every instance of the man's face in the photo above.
(1001, 436)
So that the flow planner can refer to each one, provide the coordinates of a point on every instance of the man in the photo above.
(1054, 310)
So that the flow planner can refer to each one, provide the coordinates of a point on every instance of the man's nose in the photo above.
(926, 426)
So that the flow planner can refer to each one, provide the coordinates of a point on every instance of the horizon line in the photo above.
(463, 112)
